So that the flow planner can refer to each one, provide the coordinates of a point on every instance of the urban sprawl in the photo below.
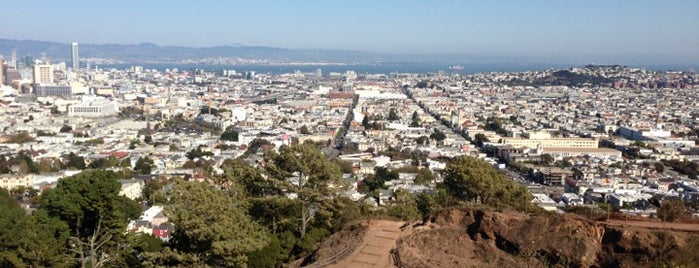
(578, 137)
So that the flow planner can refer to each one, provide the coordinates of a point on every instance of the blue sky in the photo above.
(503, 28)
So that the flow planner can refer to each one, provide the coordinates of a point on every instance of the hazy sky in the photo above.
(509, 28)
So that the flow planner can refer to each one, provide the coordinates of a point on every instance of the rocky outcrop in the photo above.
(467, 237)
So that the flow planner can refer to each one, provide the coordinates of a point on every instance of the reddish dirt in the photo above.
(675, 226)
(473, 237)
(476, 237)
(375, 249)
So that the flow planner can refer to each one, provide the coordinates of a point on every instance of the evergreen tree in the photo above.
(30, 241)
(229, 135)
(306, 173)
(415, 120)
(392, 115)
(96, 215)
(144, 165)
(211, 229)
(469, 178)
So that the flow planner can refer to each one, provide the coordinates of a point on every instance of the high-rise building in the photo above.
(11, 74)
(2, 72)
(74, 56)
(43, 74)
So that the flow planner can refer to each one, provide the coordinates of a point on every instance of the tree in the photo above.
(103, 163)
(75, 161)
(134, 143)
(469, 178)
(424, 176)
(365, 120)
(494, 124)
(211, 229)
(25, 162)
(96, 215)
(428, 203)
(229, 135)
(20, 138)
(30, 241)
(257, 144)
(148, 139)
(190, 164)
(659, 167)
(304, 130)
(306, 173)
(254, 184)
(373, 183)
(392, 115)
(438, 135)
(547, 159)
(144, 165)
(150, 189)
(66, 129)
(671, 210)
(422, 140)
(480, 138)
(345, 166)
(404, 206)
(415, 120)
(197, 153)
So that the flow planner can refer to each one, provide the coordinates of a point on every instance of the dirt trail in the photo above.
(375, 250)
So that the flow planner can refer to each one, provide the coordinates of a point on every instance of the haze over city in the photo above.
(563, 32)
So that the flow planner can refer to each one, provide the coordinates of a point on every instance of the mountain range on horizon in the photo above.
(152, 53)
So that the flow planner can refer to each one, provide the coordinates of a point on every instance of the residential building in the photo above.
(11, 181)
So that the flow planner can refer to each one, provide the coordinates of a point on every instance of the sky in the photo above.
(533, 28)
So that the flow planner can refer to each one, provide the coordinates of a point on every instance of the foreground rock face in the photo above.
(468, 237)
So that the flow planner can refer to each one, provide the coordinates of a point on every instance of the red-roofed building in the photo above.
(117, 154)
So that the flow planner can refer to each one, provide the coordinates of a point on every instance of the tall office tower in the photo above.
(74, 54)
(14, 59)
(2, 72)
(43, 74)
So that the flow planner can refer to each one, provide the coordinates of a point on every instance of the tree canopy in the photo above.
(229, 135)
(30, 241)
(438, 135)
(392, 114)
(96, 215)
(415, 120)
(211, 228)
(307, 174)
(469, 178)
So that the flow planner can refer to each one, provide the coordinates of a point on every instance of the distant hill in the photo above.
(147, 52)
(152, 53)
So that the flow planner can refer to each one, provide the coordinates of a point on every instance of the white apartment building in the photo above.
(552, 143)
(43, 74)
(10, 181)
(93, 107)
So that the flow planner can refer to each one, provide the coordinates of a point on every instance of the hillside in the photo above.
(148, 52)
(466, 237)
(152, 53)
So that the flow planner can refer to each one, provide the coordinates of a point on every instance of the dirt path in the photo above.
(689, 227)
(375, 250)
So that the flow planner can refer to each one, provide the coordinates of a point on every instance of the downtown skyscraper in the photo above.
(74, 56)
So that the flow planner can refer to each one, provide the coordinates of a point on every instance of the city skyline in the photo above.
(536, 29)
